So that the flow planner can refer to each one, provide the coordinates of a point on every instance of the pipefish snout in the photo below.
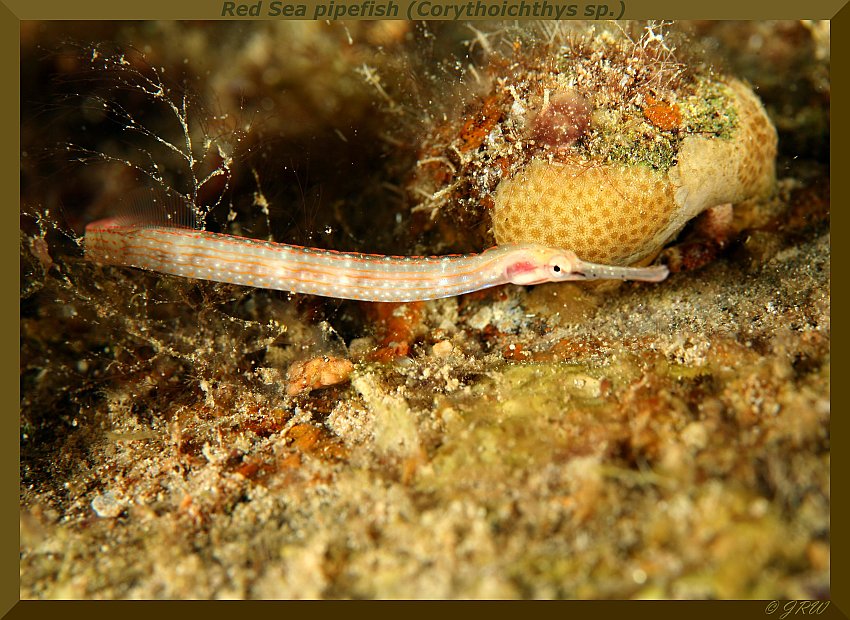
(346, 275)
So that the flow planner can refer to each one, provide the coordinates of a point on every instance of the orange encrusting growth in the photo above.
(663, 115)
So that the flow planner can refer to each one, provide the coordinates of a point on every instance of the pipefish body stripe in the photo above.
(347, 275)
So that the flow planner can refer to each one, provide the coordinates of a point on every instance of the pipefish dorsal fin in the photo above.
(152, 207)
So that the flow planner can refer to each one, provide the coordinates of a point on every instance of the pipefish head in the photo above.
(535, 264)
(526, 264)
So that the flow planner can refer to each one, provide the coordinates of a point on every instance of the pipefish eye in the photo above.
(558, 267)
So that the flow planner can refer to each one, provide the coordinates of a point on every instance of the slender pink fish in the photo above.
(181, 250)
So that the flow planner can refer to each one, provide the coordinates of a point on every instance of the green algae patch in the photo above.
(622, 134)
(519, 418)
(684, 371)
(545, 389)
(623, 137)
(710, 110)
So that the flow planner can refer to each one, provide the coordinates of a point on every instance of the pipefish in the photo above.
(156, 244)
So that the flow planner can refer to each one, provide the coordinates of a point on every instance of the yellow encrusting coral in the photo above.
(622, 213)
(586, 208)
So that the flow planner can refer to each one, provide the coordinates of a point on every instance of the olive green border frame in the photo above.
(634, 9)
(12, 12)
